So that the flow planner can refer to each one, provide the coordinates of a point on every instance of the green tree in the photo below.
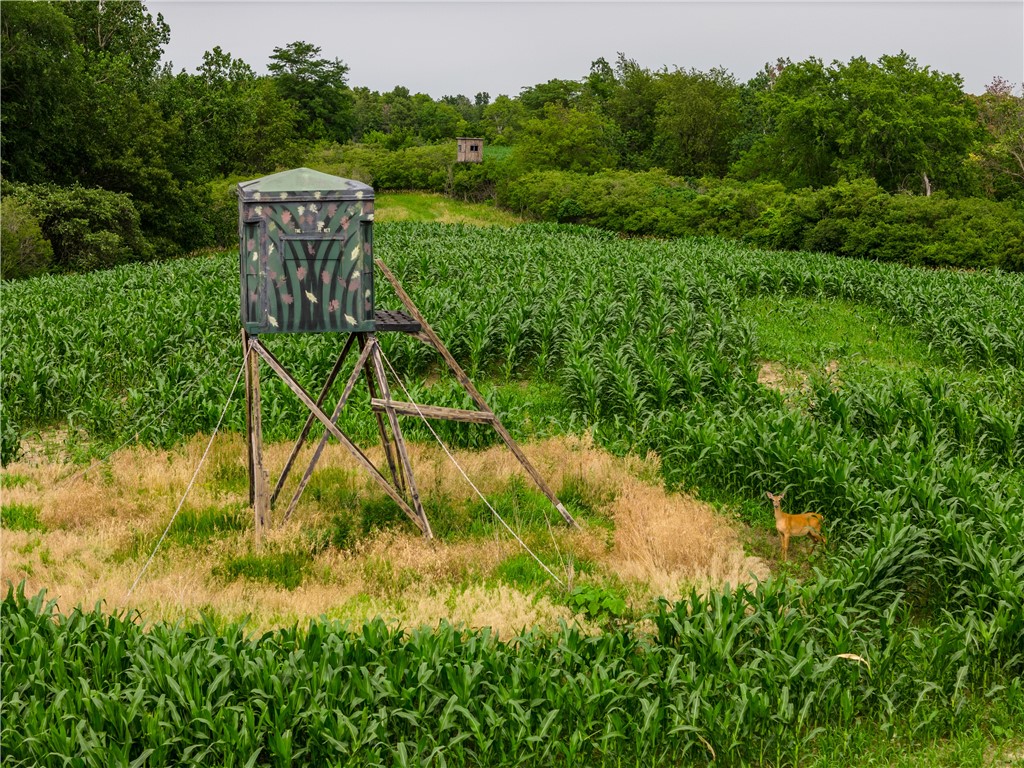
(230, 120)
(567, 140)
(437, 120)
(633, 106)
(754, 122)
(124, 31)
(1000, 158)
(41, 80)
(600, 84)
(316, 89)
(796, 146)
(564, 93)
(907, 127)
(399, 117)
(697, 122)
(466, 108)
(367, 112)
(502, 117)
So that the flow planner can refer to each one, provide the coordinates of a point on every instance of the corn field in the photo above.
(913, 622)
(733, 679)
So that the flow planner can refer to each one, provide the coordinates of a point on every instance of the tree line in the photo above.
(88, 106)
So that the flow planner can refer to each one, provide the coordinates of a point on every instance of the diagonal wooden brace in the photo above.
(396, 430)
(309, 421)
(349, 385)
(463, 379)
(340, 436)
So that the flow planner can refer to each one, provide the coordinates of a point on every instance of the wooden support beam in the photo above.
(473, 393)
(258, 478)
(431, 411)
(310, 419)
(331, 427)
(389, 453)
(396, 430)
(248, 415)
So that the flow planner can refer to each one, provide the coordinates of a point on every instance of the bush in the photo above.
(414, 168)
(861, 220)
(24, 250)
(853, 218)
(430, 167)
(476, 182)
(222, 215)
(87, 228)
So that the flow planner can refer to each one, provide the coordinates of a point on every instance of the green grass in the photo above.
(429, 206)
(522, 506)
(190, 528)
(195, 527)
(12, 480)
(585, 500)
(993, 737)
(810, 333)
(333, 488)
(228, 474)
(496, 152)
(21, 517)
(285, 569)
(522, 571)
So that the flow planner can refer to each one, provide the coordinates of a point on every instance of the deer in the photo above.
(807, 524)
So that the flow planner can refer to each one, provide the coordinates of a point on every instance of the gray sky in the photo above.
(465, 47)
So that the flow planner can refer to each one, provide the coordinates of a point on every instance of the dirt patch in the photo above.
(1009, 755)
(780, 378)
(788, 380)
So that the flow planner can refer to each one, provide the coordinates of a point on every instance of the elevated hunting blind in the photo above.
(469, 150)
(306, 265)
(305, 253)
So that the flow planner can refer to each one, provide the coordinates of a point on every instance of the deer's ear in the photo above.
(769, 494)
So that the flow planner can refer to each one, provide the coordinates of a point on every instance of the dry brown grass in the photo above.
(663, 544)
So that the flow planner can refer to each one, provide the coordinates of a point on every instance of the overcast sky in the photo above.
(442, 48)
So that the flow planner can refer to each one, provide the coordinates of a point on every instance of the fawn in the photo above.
(807, 524)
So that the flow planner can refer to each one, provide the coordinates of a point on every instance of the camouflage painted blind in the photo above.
(306, 263)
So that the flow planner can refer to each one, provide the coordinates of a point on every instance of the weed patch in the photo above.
(286, 569)
(12, 480)
(21, 517)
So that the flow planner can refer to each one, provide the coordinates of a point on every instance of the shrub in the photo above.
(853, 218)
(414, 168)
(861, 220)
(222, 215)
(25, 250)
(429, 167)
(87, 228)
(476, 182)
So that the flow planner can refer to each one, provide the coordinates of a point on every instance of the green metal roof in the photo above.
(303, 182)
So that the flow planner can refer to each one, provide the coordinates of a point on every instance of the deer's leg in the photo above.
(819, 538)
